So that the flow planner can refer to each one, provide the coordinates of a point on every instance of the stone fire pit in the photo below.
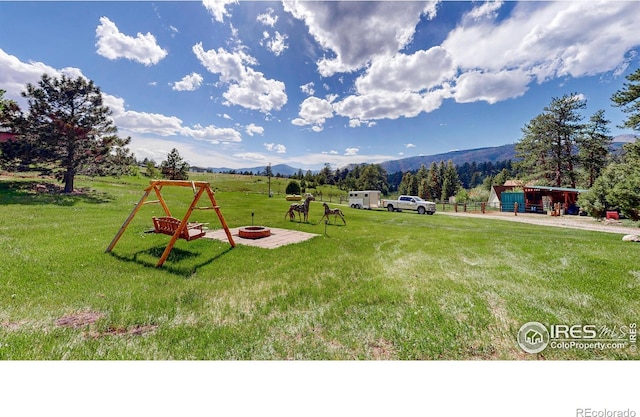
(254, 232)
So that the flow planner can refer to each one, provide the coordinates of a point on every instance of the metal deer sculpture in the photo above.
(300, 208)
(335, 212)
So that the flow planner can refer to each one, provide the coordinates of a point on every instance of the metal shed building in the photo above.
(541, 199)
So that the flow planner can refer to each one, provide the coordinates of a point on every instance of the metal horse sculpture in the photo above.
(335, 212)
(300, 208)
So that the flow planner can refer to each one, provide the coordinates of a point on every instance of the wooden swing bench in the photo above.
(169, 225)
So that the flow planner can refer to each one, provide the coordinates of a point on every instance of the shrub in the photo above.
(293, 187)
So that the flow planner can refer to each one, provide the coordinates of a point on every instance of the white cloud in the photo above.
(538, 41)
(251, 156)
(277, 44)
(195, 153)
(15, 75)
(225, 116)
(421, 70)
(189, 82)
(490, 87)
(247, 88)
(351, 151)
(356, 31)
(278, 148)
(389, 105)
(357, 123)
(314, 111)
(308, 88)
(230, 65)
(218, 8)
(268, 18)
(548, 40)
(112, 44)
(252, 129)
(212, 134)
(159, 124)
(486, 9)
(315, 160)
(140, 122)
(410, 145)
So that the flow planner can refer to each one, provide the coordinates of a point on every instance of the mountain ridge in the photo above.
(412, 163)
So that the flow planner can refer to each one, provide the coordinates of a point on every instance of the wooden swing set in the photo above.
(168, 224)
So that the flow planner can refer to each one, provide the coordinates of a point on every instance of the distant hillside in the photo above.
(625, 138)
(491, 154)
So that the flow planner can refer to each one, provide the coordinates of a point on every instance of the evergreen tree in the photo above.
(619, 185)
(594, 147)
(3, 102)
(547, 148)
(373, 177)
(629, 100)
(325, 176)
(501, 178)
(150, 169)
(175, 168)
(488, 183)
(441, 169)
(405, 185)
(618, 188)
(69, 130)
(10, 117)
(414, 185)
(434, 181)
(293, 188)
(451, 181)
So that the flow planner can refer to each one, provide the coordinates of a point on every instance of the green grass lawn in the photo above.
(385, 286)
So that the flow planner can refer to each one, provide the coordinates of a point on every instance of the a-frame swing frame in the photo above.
(199, 188)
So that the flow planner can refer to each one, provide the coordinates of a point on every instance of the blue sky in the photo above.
(244, 84)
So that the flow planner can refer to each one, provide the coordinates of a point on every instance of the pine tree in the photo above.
(174, 168)
(629, 100)
(373, 177)
(405, 184)
(594, 147)
(422, 176)
(451, 181)
(547, 148)
(434, 180)
(69, 130)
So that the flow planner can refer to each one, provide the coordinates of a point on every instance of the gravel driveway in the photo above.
(570, 222)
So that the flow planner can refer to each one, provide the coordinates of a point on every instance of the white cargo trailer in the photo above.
(367, 199)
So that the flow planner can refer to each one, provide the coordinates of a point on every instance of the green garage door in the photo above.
(509, 199)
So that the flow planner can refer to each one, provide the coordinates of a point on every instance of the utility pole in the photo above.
(269, 176)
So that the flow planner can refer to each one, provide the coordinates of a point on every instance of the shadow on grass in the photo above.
(41, 192)
(149, 258)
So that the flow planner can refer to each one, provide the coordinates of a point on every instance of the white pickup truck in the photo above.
(410, 202)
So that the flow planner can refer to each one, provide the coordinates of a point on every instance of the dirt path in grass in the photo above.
(570, 222)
